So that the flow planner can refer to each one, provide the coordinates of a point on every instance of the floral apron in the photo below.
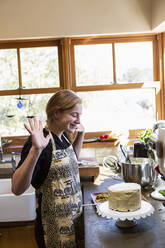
(61, 199)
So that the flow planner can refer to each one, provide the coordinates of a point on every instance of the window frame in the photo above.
(116, 86)
(112, 40)
(31, 44)
(67, 65)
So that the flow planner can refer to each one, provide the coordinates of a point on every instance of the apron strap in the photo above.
(53, 143)
(52, 140)
(66, 138)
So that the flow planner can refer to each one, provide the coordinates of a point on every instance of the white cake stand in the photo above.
(125, 219)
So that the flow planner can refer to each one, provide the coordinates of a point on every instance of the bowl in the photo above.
(140, 170)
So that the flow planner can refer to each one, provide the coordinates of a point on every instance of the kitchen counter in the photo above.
(102, 232)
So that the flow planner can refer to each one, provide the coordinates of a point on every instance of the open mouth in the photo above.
(73, 125)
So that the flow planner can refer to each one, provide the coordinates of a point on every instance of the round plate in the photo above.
(157, 196)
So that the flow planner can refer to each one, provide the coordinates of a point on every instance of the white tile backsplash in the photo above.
(99, 153)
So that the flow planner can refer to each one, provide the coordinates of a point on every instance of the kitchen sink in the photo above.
(15, 208)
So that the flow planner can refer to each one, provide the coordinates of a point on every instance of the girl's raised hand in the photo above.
(80, 128)
(36, 131)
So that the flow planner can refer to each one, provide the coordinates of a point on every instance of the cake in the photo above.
(124, 197)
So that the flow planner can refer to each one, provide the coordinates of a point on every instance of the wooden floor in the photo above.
(81, 244)
(20, 237)
(17, 237)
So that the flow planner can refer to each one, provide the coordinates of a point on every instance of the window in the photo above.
(116, 80)
(39, 67)
(94, 64)
(8, 69)
(14, 118)
(118, 109)
(30, 73)
(116, 77)
(134, 62)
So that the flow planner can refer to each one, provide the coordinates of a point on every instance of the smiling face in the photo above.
(63, 112)
(68, 120)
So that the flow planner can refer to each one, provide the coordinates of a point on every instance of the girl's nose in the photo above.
(77, 120)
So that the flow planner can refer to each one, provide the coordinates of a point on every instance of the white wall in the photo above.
(59, 18)
(158, 15)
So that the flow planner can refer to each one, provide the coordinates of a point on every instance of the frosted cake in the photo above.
(124, 197)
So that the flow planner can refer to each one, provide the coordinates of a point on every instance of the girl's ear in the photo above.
(56, 114)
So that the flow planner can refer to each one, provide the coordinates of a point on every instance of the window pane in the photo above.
(8, 69)
(13, 118)
(39, 67)
(134, 62)
(94, 64)
(118, 109)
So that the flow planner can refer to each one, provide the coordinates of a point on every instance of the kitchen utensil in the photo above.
(88, 204)
(111, 162)
(140, 170)
(90, 140)
(125, 153)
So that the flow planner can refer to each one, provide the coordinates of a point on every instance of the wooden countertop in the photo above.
(102, 232)
(101, 144)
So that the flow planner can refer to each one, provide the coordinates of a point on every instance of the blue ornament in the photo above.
(19, 105)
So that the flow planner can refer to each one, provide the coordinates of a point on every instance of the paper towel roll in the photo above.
(160, 148)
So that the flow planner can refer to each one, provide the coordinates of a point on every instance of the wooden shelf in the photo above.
(100, 144)
(12, 148)
(16, 144)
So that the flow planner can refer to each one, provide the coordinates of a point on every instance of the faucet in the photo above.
(12, 160)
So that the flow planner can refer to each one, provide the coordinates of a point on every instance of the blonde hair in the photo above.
(62, 100)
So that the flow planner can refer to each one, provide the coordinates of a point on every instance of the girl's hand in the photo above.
(80, 128)
(36, 131)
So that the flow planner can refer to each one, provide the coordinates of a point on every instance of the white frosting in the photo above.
(124, 197)
(124, 186)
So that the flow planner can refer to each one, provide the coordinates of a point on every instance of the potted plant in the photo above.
(143, 137)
